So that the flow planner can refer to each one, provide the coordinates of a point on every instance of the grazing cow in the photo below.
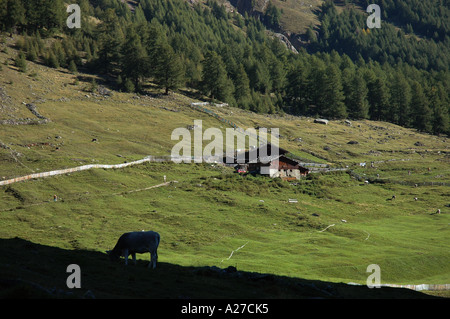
(136, 242)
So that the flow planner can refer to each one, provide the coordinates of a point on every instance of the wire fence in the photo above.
(83, 168)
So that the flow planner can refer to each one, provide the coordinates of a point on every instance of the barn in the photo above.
(279, 166)
(270, 161)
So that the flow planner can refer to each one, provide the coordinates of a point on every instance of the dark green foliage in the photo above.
(378, 98)
(420, 111)
(348, 70)
(32, 15)
(348, 33)
(215, 83)
(21, 63)
(358, 106)
(128, 86)
(134, 62)
(272, 16)
(72, 67)
(52, 60)
(168, 71)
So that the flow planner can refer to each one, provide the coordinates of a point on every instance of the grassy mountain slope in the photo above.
(210, 211)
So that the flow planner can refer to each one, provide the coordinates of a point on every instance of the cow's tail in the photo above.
(158, 239)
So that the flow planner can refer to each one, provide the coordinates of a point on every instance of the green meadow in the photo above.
(208, 215)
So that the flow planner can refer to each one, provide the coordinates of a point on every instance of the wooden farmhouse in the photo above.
(270, 161)
(279, 166)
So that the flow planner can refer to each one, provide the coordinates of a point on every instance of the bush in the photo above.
(21, 63)
(72, 67)
(128, 86)
(52, 60)
(93, 86)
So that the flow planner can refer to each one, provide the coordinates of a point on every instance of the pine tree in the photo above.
(332, 102)
(128, 85)
(119, 81)
(110, 41)
(296, 89)
(15, 14)
(315, 100)
(3, 14)
(440, 116)
(259, 76)
(168, 73)
(52, 60)
(21, 62)
(215, 81)
(242, 87)
(420, 111)
(72, 67)
(311, 35)
(272, 16)
(378, 97)
(135, 62)
(358, 106)
(31, 53)
(277, 76)
(400, 100)
(54, 14)
(440, 120)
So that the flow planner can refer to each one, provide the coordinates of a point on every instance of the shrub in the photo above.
(21, 63)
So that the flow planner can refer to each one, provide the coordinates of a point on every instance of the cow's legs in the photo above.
(125, 254)
(134, 258)
(153, 260)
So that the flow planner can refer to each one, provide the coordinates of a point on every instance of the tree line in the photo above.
(232, 58)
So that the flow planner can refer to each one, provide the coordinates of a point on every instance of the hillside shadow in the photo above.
(31, 270)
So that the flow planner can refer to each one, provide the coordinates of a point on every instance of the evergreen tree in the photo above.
(31, 53)
(242, 87)
(296, 88)
(315, 99)
(272, 16)
(55, 14)
(440, 113)
(135, 62)
(358, 106)
(21, 62)
(72, 67)
(215, 81)
(400, 100)
(311, 35)
(128, 85)
(277, 76)
(420, 111)
(52, 60)
(15, 14)
(378, 98)
(332, 101)
(169, 73)
(110, 39)
(259, 76)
